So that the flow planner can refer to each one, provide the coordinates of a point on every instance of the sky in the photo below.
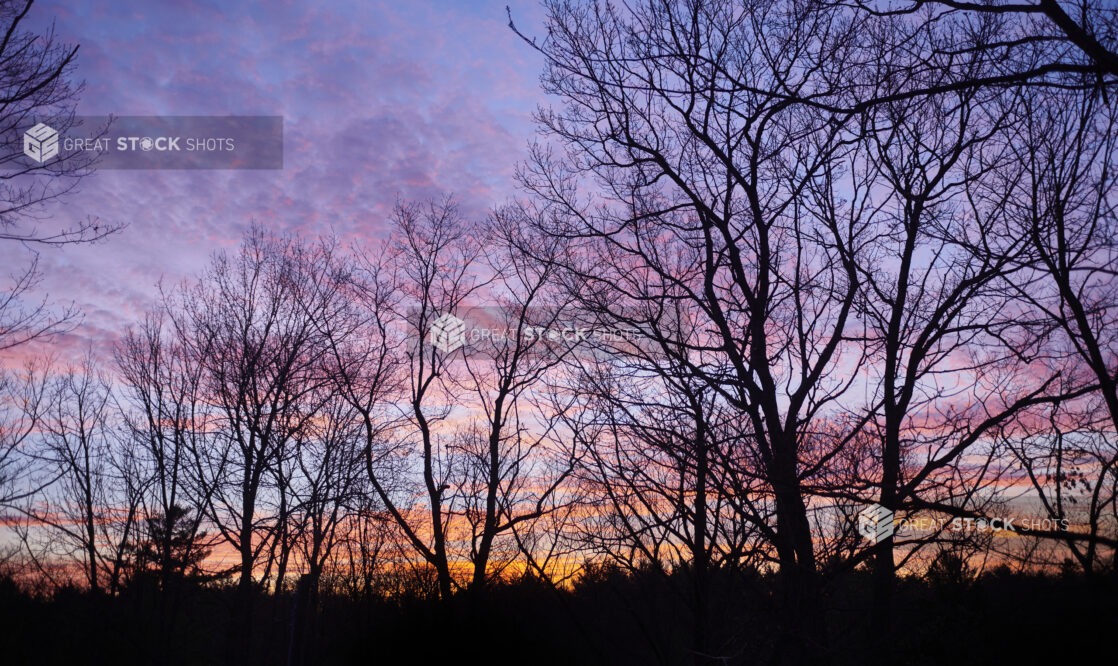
(380, 101)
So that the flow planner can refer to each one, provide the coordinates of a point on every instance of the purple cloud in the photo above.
(380, 101)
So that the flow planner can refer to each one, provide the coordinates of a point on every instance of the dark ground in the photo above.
(609, 618)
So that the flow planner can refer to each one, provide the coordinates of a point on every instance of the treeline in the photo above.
(773, 263)
(608, 617)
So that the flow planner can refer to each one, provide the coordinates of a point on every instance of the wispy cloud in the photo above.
(380, 101)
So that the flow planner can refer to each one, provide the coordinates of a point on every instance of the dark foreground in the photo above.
(608, 618)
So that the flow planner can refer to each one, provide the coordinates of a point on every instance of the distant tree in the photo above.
(426, 271)
(89, 505)
(456, 449)
(171, 545)
(327, 485)
(355, 566)
(1067, 455)
(163, 411)
(513, 469)
(252, 326)
(665, 487)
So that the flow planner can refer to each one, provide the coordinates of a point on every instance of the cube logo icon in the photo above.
(40, 143)
(448, 333)
(875, 523)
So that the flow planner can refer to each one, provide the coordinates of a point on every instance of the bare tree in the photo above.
(250, 325)
(23, 400)
(676, 120)
(459, 430)
(665, 488)
(934, 315)
(326, 488)
(91, 504)
(1069, 467)
(423, 274)
(164, 412)
(512, 463)
(166, 419)
(36, 84)
(355, 569)
(1061, 186)
(1078, 37)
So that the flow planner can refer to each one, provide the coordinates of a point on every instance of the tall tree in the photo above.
(251, 326)
(675, 119)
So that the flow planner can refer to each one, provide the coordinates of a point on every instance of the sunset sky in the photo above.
(705, 332)
(379, 101)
